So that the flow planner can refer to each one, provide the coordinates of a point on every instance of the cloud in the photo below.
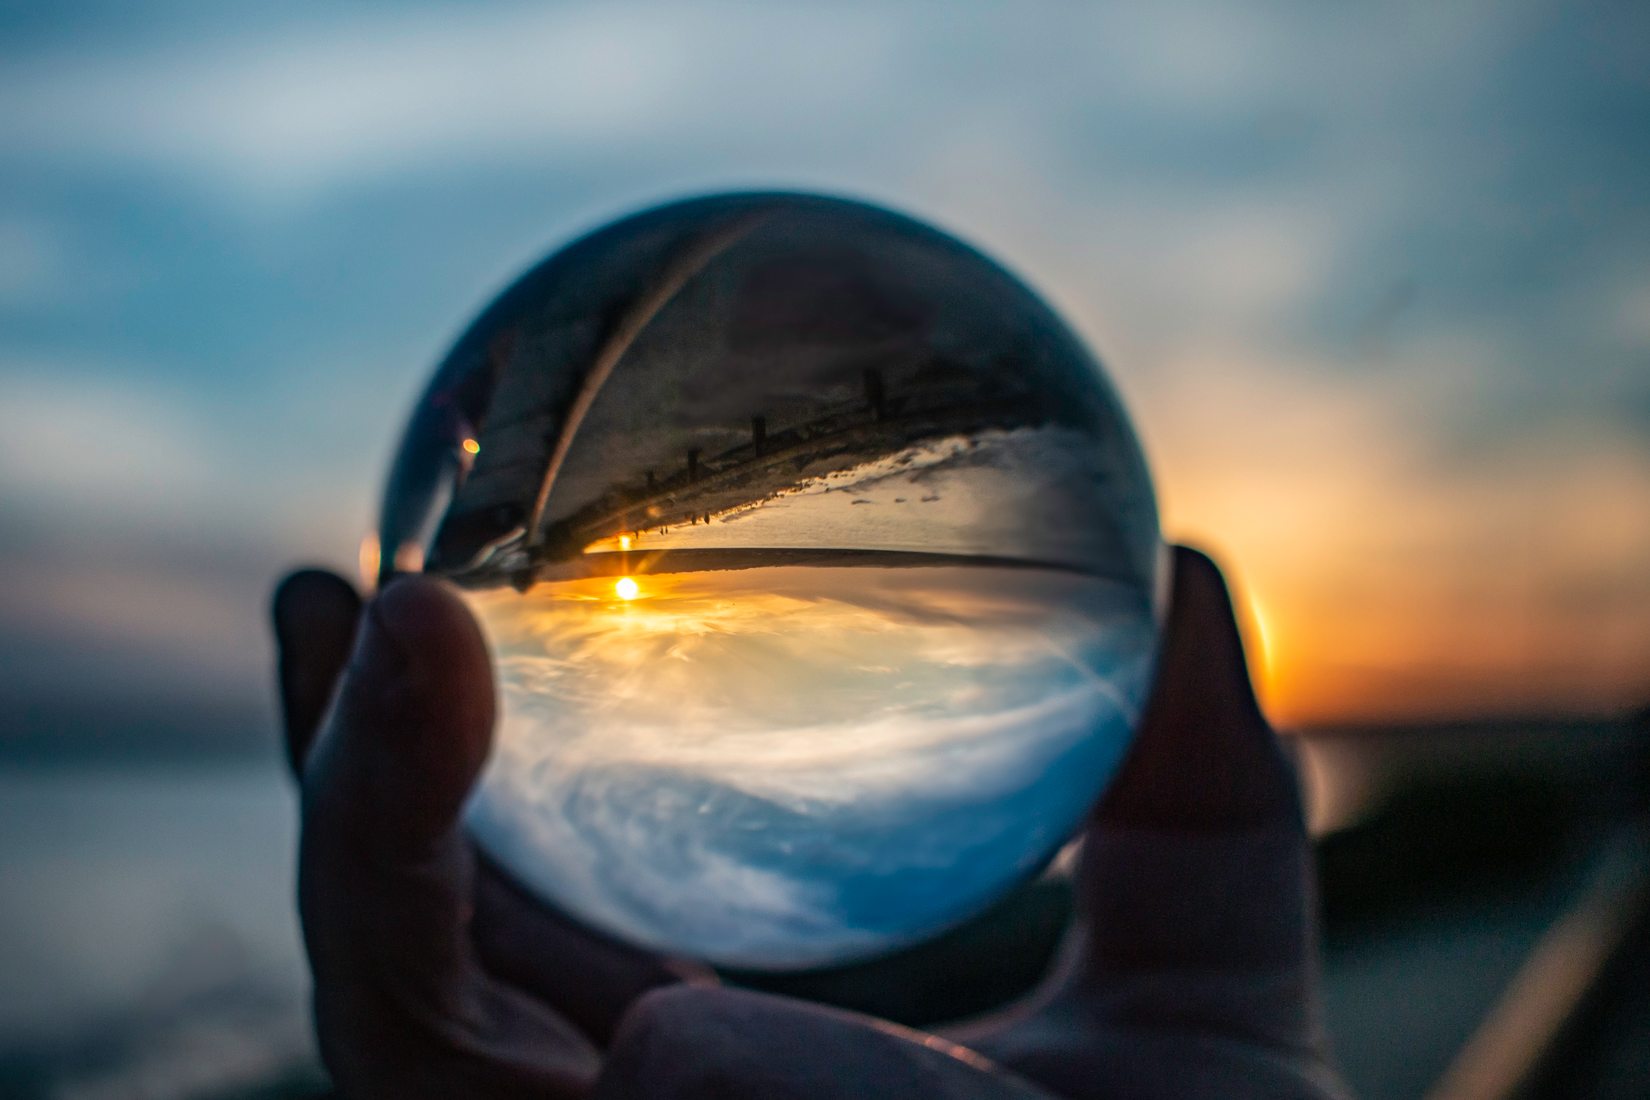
(174, 623)
(110, 441)
(136, 551)
(1221, 196)
(1626, 315)
(32, 264)
(309, 105)
(304, 106)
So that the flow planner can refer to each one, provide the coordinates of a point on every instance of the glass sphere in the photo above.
(820, 568)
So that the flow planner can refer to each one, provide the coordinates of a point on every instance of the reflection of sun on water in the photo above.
(780, 646)
(728, 756)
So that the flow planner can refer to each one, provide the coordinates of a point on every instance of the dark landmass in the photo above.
(59, 729)
(773, 462)
(619, 563)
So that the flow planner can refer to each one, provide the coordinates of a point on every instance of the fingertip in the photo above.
(1203, 655)
(307, 600)
(414, 720)
(314, 615)
(428, 620)
(1204, 757)
(1196, 568)
(448, 667)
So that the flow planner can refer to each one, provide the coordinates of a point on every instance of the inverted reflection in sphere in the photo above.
(819, 565)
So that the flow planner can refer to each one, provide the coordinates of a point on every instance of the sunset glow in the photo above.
(1392, 587)
(626, 588)
(1404, 408)
(368, 558)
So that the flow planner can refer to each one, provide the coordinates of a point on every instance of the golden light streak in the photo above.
(1263, 663)
(624, 542)
(368, 559)
(409, 558)
(626, 588)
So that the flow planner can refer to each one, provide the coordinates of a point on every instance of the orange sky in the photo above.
(1390, 586)
(1374, 287)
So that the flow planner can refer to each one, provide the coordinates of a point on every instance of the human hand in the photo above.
(434, 975)
(1191, 972)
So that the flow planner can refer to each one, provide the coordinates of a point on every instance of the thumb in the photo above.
(1197, 860)
(1204, 758)
(384, 877)
(413, 721)
(1194, 894)
(387, 879)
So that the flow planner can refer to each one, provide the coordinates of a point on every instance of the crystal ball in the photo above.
(820, 568)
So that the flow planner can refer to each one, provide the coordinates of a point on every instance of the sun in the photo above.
(627, 589)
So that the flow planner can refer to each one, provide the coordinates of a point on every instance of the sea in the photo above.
(149, 948)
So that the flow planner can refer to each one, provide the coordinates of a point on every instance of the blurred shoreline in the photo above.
(152, 949)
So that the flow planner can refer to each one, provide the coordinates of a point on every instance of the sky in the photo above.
(1373, 282)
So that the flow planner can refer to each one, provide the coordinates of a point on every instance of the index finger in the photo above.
(1194, 892)
(314, 614)
(1196, 859)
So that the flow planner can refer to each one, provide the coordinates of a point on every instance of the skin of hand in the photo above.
(1190, 972)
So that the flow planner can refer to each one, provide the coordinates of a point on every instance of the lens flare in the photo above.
(626, 588)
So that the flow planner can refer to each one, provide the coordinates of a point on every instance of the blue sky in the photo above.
(1375, 284)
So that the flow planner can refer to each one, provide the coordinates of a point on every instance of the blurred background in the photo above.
(1374, 282)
